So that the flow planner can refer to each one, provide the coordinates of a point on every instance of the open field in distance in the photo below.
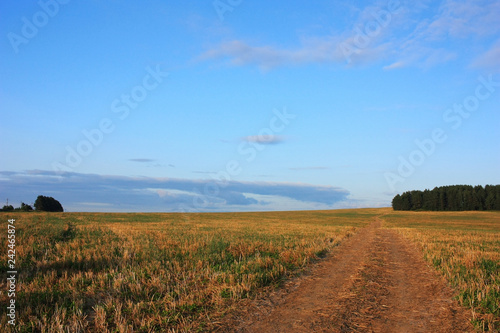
(165, 272)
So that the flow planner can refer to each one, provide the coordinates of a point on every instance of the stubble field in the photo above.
(464, 247)
(187, 273)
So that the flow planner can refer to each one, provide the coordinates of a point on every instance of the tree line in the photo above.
(42, 204)
(451, 198)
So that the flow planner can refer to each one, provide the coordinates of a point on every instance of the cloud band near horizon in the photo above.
(91, 192)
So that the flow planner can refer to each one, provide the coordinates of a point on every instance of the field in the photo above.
(158, 272)
(465, 248)
(187, 273)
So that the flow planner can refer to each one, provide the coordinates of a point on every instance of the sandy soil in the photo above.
(373, 282)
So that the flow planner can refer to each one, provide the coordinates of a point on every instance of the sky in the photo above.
(236, 105)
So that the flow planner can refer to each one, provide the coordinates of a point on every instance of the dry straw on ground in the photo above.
(165, 273)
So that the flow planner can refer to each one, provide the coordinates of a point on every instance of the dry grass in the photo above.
(465, 248)
(158, 272)
(82, 272)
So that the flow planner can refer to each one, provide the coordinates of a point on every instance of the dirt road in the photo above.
(373, 282)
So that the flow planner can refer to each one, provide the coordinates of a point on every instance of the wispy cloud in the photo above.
(119, 193)
(141, 160)
(150, 163)
(240, 53)
(311, 49)
(264, 139)
(310, 168)
(465, 18)
(395, 65)
(490, 60)
(404, 38)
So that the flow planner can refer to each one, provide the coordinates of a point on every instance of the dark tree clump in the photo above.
(451, 198)
(7, 208)
(48, 204)
(25, 208)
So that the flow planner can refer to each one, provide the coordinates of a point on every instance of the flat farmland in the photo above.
(464, 247)
(357, 270)
(158, 272)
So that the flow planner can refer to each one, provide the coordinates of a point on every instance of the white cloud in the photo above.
(395, 65)
(264, 139)
(241, 53)
(420, 34)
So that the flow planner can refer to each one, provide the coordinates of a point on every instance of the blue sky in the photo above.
(245, 105)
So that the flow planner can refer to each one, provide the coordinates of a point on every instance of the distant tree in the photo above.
(454, 198)
(397, 203)
(496, 206)
(479, 197)
(406, 201)
(48, 204)
(468, 199)
(426, 200)
(431, 199)
(442, 198)
(7, 208)
(451, 198)
(489, 203)
(416, 200)
(25, 208)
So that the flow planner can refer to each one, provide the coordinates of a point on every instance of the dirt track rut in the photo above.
(374, 282)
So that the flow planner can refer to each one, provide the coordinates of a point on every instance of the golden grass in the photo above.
(83, 272)
(465, 248)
